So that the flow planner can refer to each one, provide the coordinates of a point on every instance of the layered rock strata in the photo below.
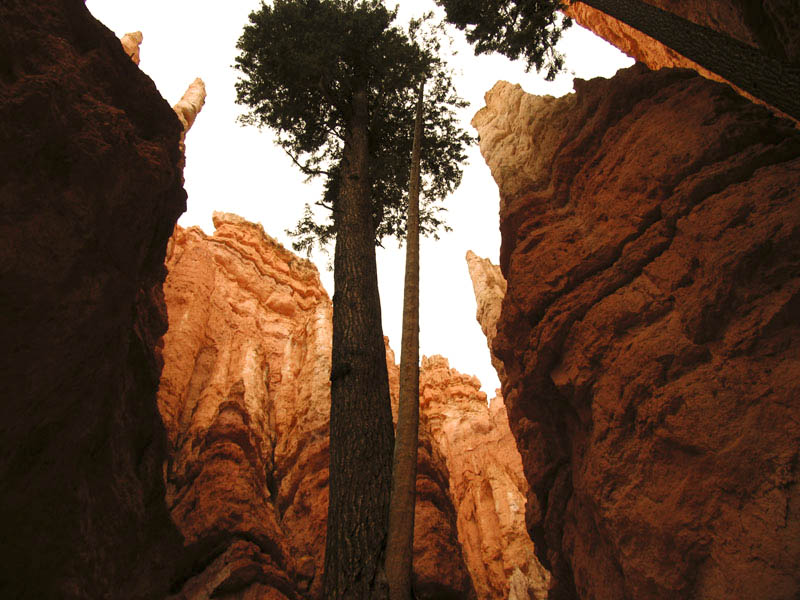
(651, 244)
(245, 398)
(90, 188)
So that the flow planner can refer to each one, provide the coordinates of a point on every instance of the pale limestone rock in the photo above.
(130, 43)
(188, 107)
(516, 138)
(489, 286)
(487, 485)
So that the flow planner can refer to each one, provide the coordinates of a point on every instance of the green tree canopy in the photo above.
(515, 28)
(300, 63)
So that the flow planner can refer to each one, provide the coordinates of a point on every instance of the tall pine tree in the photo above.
(335, 79)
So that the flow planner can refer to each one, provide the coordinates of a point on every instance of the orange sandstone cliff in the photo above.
(245, 400)
(650, 334)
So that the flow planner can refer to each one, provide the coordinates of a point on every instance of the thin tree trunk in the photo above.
(769, 79)
(400, 545)
(361, 436)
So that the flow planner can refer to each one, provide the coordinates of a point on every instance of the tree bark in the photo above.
(361, 436)
(767, 78)
(400, 545)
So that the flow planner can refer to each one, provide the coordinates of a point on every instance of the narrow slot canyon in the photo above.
(166, 390)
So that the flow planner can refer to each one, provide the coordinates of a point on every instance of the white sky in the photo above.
(238, 169)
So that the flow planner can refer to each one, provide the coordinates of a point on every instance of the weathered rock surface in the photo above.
(438, 564)
(772, 26)
(131, 43)
(251, 329)
(188, 107)
(486, 484)
(90, 189)
(490, 289)
(245, 398)
(650, 333)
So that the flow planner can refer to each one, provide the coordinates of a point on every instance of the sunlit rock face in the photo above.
(439, 567)
(772, 26)
(189, 106)
(131, 43)
(90, 189)
(245, 398)
(650, 334)
(486, 483)
(490, 288)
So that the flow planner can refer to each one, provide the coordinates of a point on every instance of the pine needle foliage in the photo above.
(528, 29)
(300, 62)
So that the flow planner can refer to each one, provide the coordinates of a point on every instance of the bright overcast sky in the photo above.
(238, 169)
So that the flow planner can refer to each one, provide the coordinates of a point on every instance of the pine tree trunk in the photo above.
(400, 545)
(361, 436)
(769, 79)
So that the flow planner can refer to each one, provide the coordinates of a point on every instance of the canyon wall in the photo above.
(650, 334)
(245, 398)
(90, 188)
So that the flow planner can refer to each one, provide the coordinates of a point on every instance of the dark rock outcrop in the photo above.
(650, 333)
(90, 190)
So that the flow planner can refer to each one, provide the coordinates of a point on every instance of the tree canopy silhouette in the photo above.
(529, 29)
(336, 81)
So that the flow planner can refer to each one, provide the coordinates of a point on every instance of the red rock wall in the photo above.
(650, 333)
(90, 190)
(245, 397)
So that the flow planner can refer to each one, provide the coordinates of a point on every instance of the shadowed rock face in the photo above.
(90, 190)
(651, 245)
(245, 398)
